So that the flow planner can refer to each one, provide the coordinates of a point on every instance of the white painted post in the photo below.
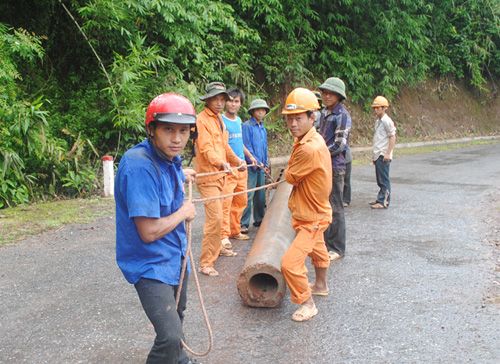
(109, 175)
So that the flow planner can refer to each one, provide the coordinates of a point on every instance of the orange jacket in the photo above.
(211, 146)
(310, 172)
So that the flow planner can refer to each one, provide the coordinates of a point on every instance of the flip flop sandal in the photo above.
(318, 293)
(226, 243)
(208, 271)
(304, 313)
(227, 253)
(334, 256)
(378, 206)
(240, 236)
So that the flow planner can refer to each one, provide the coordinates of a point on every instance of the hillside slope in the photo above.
(433, 110)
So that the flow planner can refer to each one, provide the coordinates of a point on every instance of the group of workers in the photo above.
(223, 143)
(151, 242)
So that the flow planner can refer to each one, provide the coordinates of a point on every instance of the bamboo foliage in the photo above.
(59, 112)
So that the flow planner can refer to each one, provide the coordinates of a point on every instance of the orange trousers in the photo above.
(210, 245)
(232, 207)
(308, 242)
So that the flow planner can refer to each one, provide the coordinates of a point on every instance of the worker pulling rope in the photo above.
(193, 265)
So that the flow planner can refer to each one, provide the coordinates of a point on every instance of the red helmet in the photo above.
(171, 108)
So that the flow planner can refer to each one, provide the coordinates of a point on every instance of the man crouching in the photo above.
(310, 172)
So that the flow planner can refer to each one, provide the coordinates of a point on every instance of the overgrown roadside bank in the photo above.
(20, 222)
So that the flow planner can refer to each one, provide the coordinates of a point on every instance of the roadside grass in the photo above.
(20, 222)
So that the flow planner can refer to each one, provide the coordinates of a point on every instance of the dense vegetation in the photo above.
(61, 108)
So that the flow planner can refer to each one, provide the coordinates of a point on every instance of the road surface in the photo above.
(419, 283)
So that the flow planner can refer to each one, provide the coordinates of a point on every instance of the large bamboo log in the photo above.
(260, 283)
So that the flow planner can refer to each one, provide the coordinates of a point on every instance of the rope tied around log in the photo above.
(193, 264)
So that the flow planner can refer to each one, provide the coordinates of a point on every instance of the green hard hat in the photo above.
(334, 84)
(258, 104)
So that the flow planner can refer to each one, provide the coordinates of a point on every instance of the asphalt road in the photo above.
(418, 284)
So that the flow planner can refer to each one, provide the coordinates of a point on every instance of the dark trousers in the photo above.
(383, 181)
(346, 196)
(158, 301)
(256, 199)
(335, 234)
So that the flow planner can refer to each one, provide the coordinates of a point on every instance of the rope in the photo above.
(198, 288)
(193, 264)
(231, 170)
(237, 193)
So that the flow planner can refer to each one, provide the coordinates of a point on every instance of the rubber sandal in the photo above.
(227, 253)
(226, 243)
(244, 230)
(318, 293)
(304, 313)
(334, 256)
(208, 271)
(240, 236)
(378, 206)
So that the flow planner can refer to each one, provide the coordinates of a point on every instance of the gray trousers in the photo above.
(158, 301)
(335, 234)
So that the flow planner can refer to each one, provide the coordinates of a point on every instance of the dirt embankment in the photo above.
(433, 110)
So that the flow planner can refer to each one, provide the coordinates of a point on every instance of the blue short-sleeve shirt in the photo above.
(235, 135)
(148, 186)
(255, 140)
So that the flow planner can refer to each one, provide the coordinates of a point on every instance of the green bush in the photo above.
(59, 113)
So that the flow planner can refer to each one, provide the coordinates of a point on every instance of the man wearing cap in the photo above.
(310, 172)
(255, 140)
(213, 154)
(150, 213)
(334, 127)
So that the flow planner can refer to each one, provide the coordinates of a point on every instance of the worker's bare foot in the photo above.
(318, 289)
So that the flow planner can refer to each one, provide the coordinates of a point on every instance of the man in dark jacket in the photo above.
(334, 127)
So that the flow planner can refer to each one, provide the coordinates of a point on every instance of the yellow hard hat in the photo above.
(380, 101)
(300, 100)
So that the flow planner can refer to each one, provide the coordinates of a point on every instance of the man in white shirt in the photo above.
(384, 140)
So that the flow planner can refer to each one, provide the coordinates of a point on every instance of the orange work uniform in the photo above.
(310, 172)
(233, 206)
(212, 150)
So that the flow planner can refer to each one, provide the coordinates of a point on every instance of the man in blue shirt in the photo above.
(334, 127)
(150, 213)
(233, 207)
(255, 140)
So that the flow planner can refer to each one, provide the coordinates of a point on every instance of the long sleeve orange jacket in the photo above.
(212, 146)
(310, 172)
